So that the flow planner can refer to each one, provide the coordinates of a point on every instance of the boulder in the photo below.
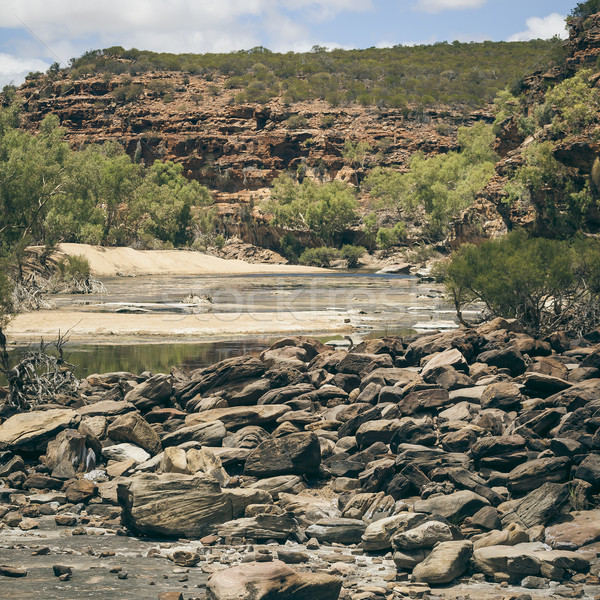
(538, 506)
(512, 535)
(295, 454)
(514, 561)
(337, 530)
(173, 505)
(507, 358)
(236, 417)
(426, 535)
(574, 530)
(261, 527)
(271, 581)
(447, 561)
(455, 507)
(66, 454)
(133, 428)
(589, 470)
(206, 434)
(155, 391)
(533, 474)
(378, 535)
(123, 452)
(447, 358)
(502, 395)
(382, 430)
(32, 430)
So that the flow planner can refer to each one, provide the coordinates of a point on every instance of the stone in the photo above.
(447, 561)
(516, 561)
(174, 460)
(31, 430)
(173, 505)
(381, 430)
(451, 358)
(378, 535)
(125, 451)
(185, 558)
(207, 462)
(533, 474)
(236, 417)
(9, 571)
(409, 559)
(260, 527)
(589, 470)
(206, 434)
(538, 506)
(508, 358)
(426, 535)
(512, 535)
(279, 485)
(105, 408)
(66, 454)
(80, 491)
(574, 530)
(337, 530)
(487, 517)
(502, 395)
(295, 454)
(271, 581)
(454, 507)
(153, 392)
(133, 428)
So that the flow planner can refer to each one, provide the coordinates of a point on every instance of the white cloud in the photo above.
(13, 69)
(436, 6)
(542, 28)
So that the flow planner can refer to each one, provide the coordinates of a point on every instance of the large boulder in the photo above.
(261, 527)
(206, 434)
(32, 430)
(295, 454)
(425, 535)
(538, 506)
(173, 505)
(447, 561)
(133, 428)
(454, 507)
(271, 581)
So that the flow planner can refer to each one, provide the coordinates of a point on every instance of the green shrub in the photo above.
(387, 237)
(219, 242)
(296, 122)
(352, 254)
(75, 267)
(319, 257)
(545, 284)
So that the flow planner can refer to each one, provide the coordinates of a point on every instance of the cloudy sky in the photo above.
(35, 33)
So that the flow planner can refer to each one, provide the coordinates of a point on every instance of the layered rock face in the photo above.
(470, 453)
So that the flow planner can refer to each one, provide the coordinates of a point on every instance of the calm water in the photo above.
(379, 305)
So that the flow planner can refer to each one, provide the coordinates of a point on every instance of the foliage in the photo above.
(290, 246)
(74, 267)
(545, 284)
(574, 103)
(452, 73)
(319, 257)
(352, 254)
(388, 237)
(561, 202)
(585, 9)
(441, 185)
(50, 193)
(326, 209)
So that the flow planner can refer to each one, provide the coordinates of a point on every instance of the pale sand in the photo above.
(108, 262)
(121, 328)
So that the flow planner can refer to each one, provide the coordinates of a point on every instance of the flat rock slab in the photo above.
(33, 428)
(236, 417)
(576, 530)
(273, 581)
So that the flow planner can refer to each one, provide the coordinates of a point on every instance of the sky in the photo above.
(36, 33)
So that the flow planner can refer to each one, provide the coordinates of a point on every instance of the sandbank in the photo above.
(124, 328)
(110, 262)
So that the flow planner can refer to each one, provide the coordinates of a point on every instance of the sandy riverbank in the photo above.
(109, 262)
(84, 326)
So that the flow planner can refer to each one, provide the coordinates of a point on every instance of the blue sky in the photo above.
(35, 33)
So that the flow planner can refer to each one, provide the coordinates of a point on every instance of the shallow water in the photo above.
(379, 305)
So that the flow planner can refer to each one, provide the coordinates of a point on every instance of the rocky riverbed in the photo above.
(455, 464)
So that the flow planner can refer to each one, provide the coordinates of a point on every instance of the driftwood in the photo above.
(39, 375)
